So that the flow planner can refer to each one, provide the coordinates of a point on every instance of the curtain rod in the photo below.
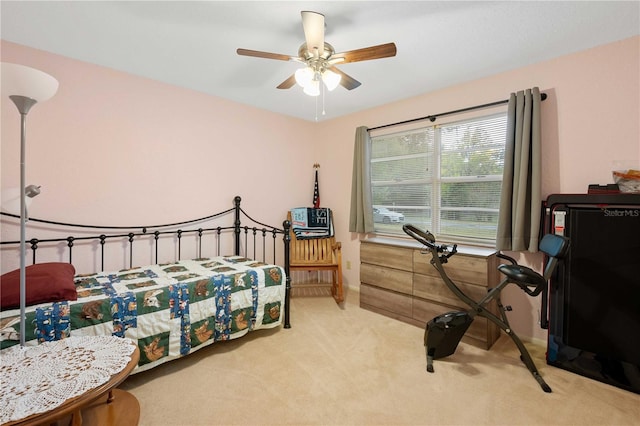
(433, 117)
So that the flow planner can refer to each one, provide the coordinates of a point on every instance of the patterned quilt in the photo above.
(170, 310)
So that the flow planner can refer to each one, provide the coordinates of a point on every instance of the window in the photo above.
(445, 178)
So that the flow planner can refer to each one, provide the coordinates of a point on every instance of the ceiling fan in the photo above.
(320, 58)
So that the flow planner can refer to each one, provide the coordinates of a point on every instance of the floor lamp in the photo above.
(25, 86)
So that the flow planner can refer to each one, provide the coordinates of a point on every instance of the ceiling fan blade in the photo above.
(366, 53)
(346, 81)
(313, 25)
(288, 83)
(267, 55)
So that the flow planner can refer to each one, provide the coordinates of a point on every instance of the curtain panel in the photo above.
(520, 201)
(361, 214)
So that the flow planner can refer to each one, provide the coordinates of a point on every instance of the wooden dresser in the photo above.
(398, 280)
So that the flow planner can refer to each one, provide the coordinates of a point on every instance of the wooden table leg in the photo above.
(120, 409)
(76, 418)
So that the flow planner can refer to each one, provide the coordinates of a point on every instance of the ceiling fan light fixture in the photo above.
(312, 88)
(331, 79)
(304, 76)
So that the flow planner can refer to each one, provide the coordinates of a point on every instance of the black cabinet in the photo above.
(594, 296)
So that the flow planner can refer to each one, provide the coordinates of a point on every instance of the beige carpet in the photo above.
(344, 365)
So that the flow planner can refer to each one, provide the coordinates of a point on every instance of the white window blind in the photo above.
(445, 178)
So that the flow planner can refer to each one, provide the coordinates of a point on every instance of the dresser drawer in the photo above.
(389, 303)
(434, 288)
(389, 256)
(391, 279)
(460, 267)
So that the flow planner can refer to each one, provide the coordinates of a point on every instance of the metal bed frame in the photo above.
(254, 236)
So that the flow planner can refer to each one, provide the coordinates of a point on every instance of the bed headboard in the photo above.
(225, 232)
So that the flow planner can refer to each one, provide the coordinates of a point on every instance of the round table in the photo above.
(69, 380)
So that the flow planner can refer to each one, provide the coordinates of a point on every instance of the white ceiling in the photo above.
(193, 44)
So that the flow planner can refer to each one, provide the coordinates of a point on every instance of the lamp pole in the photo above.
(24, 104)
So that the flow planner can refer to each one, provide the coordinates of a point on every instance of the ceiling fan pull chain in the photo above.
(323, 112)
(316, 108)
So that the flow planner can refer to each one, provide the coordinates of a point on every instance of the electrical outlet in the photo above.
(348, 264)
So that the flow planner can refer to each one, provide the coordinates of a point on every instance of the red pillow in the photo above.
(45, 283)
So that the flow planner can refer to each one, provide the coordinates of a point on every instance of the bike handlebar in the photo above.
(427, 238)
(424, 237)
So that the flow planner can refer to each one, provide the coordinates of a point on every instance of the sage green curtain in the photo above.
(520, 202)
(361, 215)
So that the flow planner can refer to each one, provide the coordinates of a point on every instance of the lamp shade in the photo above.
(304, 76)
(26, 81)
(331, 79)
(313, 88)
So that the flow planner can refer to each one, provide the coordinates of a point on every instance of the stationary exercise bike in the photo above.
(443, 333)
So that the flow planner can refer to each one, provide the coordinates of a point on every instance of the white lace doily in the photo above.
(36, 379)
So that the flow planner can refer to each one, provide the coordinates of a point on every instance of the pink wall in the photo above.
(109, 146)
(115, 148)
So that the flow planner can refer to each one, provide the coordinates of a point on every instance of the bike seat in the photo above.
(524, 277)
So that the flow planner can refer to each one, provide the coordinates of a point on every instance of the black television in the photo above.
(594, 296)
